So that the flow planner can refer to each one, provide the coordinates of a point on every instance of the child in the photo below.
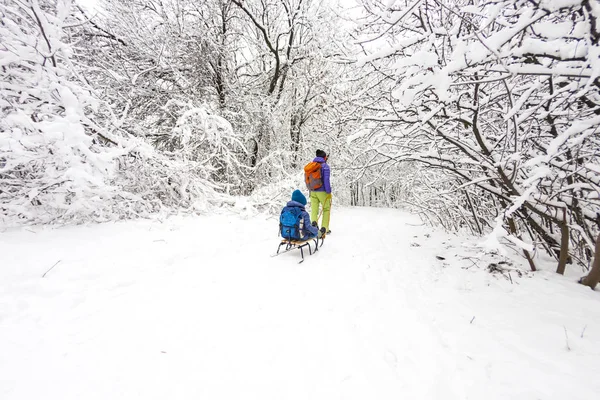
(294, 221)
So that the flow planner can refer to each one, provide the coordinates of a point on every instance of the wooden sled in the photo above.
(291, 244)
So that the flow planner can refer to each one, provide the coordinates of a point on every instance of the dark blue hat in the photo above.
(299, 197)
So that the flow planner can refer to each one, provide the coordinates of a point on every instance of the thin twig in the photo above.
(35, 8)
(472, 319)
(43, 276)
(472, 262)
(567, 338)
(582, 332)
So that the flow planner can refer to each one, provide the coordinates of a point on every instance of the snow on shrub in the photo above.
(57, 164)
(53, 165)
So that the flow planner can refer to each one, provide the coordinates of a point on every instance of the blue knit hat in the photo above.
(299, 197)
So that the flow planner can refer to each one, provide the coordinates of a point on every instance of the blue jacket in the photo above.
(325, 172)
(309, 231)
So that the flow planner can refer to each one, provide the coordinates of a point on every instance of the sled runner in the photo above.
(291, 244)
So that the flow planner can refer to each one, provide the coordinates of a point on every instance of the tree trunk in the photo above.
(295, 121)
(564, 245)
(513, 229)
(295, 136)
(593, 277)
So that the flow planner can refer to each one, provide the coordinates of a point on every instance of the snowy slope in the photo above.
(194, 308)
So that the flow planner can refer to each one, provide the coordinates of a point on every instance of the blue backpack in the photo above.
(290, 223)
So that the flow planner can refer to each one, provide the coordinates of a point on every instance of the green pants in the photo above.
(323, 199)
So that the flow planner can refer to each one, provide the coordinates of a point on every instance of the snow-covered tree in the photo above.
(53, 160)
(64, 154)
(266, 67)
(503, 96)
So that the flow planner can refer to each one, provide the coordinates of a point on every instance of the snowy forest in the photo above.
(480, 116)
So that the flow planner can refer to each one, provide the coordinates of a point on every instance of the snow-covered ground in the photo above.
(195, 308)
